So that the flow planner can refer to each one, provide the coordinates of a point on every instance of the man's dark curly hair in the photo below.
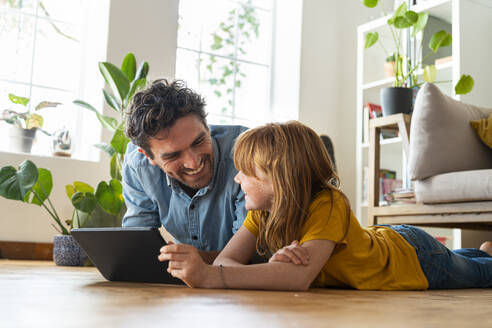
(158, 107)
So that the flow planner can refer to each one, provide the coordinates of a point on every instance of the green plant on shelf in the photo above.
(27, 119)
(406, 70)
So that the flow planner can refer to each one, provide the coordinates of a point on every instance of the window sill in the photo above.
(5, 153)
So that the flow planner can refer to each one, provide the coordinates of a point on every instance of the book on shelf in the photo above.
(365, 177)
(401, 196)
(387, 183)
(376, 111)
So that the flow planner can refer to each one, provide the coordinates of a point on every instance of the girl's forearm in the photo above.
(266, 276)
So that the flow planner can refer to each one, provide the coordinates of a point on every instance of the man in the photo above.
(178, 172)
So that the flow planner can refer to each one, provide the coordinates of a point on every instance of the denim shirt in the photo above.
(208, 219)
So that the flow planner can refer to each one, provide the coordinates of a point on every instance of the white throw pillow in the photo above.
(441, 138)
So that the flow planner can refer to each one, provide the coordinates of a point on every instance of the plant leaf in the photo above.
(83, 187)
(112, 101)
(464, 85)
(18, 100)
(115, 167)
(371, 39)
(440, 39)
(411, 16)
(420, 24)
(106, 121)
(70, 190)
(33, 121)
(401, 22)
(85, 202)
(15, 184)
(137, 85)
(129, 66)
(142, 71)
(116, 79)
(99, 218)
(42, 188)
(120, 140)
(108, 149)
(430, 73)
(109, 196)
(370, 3)
(45, 104)
(401, 10)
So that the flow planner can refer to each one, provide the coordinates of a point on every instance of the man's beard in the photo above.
(207, 173)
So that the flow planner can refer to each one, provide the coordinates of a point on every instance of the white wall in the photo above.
(131, 28)
(328, 76)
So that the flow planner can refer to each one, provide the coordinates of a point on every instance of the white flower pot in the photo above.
(21, 140)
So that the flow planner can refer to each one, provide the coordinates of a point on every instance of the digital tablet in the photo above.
(126, 254)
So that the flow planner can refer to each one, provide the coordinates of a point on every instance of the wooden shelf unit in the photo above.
(468, 215)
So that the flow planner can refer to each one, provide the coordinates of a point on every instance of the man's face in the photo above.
(184, 152)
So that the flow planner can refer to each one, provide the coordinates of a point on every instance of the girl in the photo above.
(301, 220)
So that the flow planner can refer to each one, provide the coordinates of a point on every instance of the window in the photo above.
(225, 53)
(44, 57)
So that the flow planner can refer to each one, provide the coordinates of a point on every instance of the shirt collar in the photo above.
(174, 184)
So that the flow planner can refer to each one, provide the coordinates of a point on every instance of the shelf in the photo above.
(443, 71)
(379, 83)
(388, 141)
(437, 8)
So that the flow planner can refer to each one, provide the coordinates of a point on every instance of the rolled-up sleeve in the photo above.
(141, 210)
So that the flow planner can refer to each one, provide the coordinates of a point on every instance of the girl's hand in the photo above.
(293, 253)
(185, 263)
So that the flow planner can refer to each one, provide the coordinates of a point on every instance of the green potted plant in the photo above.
(106, 202)
(33, 185)
(399, 97)
(123, 83)
(100, 207)
(24, 124)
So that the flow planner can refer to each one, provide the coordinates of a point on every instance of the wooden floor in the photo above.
(40, 294)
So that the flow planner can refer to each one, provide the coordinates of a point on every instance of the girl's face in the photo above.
(258, 192)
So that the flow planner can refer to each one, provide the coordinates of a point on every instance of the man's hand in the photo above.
(185, 263)
(293, 253)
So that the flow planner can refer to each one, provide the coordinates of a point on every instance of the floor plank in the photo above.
(40, 294)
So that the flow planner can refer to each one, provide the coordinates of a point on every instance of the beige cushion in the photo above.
(464, 186)
(441, 138)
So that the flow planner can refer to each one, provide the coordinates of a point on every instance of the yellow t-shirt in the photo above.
(375, 258)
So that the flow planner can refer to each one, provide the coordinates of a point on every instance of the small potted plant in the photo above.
(33, 185)
(390, 65)
(399, 98)
(24, 124)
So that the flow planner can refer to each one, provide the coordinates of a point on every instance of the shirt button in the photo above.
(195, 237)
(192, 206)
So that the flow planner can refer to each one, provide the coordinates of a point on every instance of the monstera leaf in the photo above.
(15, 184)
(42, 189)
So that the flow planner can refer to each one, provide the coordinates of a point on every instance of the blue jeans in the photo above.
(446, 269)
